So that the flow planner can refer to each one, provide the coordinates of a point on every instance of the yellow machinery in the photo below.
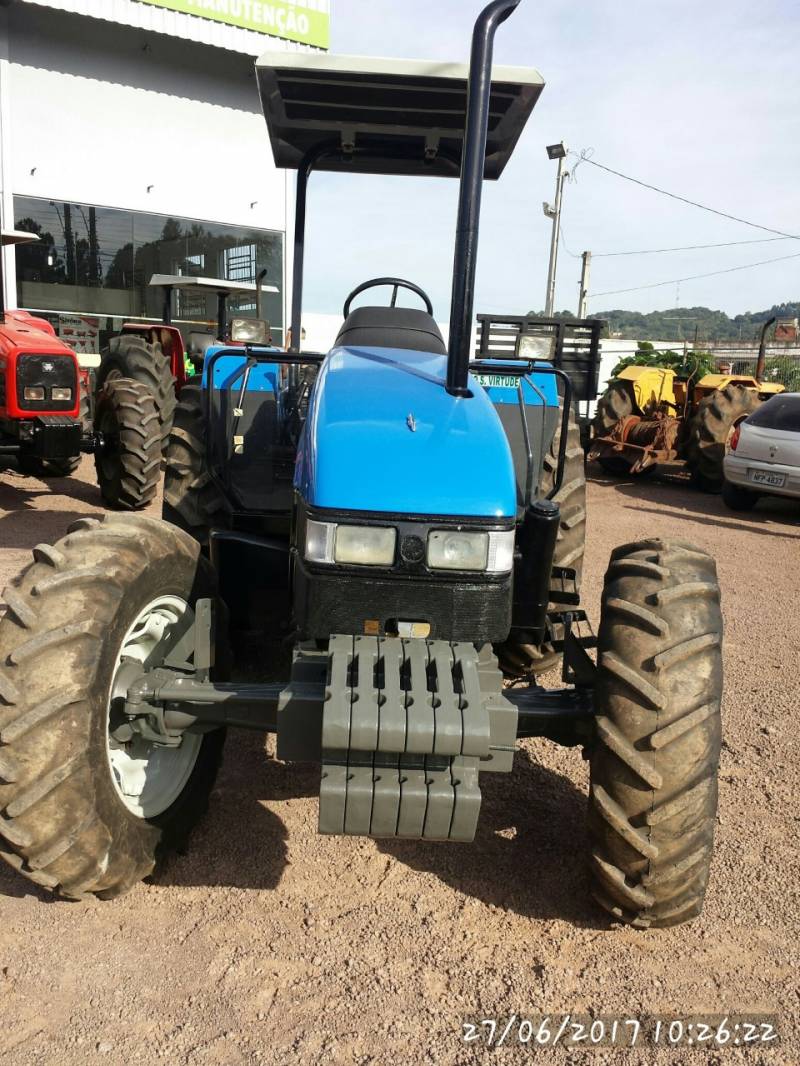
(649, 415)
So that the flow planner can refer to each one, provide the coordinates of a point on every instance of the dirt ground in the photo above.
(269, 944)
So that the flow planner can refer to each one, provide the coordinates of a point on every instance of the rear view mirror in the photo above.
(250, 331)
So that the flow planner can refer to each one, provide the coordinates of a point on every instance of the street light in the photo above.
(559, 152)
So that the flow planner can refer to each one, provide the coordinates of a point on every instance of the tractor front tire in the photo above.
(527, 660)
(79, 814)
(129, 464)
(192, 501)
(653, 792)
(709, 430)
(131, 356)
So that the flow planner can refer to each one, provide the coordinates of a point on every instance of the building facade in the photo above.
(132, 143)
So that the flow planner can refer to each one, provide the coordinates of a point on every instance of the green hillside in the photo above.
(680, 323)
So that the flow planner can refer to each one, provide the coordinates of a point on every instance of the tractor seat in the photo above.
(391, 327)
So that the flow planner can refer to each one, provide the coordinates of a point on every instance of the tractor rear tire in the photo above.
(527, 660)
(69, 820)
(192, 501)
(709, 430)
(653, 791)
(615, 404)
(130, 356)
(129, 465)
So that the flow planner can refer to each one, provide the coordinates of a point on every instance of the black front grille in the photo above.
(343, 602)
(47, 372)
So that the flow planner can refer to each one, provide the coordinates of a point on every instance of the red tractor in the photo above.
(44, 423)
(154, 354)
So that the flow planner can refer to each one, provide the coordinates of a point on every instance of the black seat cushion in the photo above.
(392, 327)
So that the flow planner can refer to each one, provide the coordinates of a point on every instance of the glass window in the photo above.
(780, 412)
(90, 269)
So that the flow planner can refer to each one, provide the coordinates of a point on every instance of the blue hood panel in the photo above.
(383, 434)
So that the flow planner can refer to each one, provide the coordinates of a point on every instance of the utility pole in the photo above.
(559, 152)
(585, 272)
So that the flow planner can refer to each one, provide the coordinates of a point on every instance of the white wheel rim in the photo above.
(149, 778)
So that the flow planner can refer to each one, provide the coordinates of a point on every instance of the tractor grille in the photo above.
(338, 602)
(47, 372)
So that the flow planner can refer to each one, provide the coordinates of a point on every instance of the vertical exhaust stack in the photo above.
(761, 363)
(469, 201)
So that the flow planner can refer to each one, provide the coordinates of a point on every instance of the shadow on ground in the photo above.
(530, 853)
(681, 501)
(20, 519)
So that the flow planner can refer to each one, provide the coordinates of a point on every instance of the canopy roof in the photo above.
(409, 115)
(17, 236)
(218, 285)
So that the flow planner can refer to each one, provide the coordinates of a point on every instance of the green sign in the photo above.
(278, 18)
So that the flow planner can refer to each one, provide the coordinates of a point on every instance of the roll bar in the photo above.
(469, 201)
(471, 161)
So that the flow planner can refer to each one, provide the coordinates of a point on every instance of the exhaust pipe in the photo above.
(473, 164)
(259, 282)
(762, 350)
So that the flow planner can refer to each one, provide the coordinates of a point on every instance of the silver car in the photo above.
(763, 457)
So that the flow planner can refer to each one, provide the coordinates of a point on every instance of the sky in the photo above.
(699, 98)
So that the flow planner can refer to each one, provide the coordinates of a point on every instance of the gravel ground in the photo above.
(269, 944)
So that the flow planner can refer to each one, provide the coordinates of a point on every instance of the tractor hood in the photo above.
(384, 435)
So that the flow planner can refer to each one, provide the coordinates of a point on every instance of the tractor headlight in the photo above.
(327, 542)
(453, 550)
(320, 539)
(62, 395)
(250, 331)
(33, 392)
(365, 545)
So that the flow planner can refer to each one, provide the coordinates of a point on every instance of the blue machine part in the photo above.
(264, 377)
(502, 388)
(384, 435)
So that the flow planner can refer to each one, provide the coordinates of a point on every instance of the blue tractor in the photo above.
(409, 521)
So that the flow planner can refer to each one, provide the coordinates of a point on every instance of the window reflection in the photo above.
(90, 269)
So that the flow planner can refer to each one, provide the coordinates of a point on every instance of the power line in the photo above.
(687, 247)
(683, 199)
(564, 243)
(695, 277)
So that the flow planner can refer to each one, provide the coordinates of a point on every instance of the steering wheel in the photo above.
(397, 284)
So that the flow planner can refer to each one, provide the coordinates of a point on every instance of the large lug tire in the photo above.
(615, 404)
(527, 660)
(73, 818)
(192, 500)
(653, 796)
(709, 430)
(130, 356)
(129, 464)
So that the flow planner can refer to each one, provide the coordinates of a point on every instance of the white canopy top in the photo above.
(414, 112)
(192, 284)
(17, 236)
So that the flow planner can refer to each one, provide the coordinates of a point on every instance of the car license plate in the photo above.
(764, 477)
(497, 381)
